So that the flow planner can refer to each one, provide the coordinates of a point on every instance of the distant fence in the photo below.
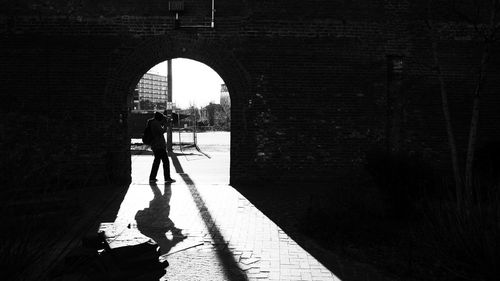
(137, 122)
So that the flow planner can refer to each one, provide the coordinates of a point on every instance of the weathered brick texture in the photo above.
(308, 82)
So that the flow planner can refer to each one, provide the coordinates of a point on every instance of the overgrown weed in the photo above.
(464, 237)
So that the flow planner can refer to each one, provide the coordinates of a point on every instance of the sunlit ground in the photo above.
(211, 162)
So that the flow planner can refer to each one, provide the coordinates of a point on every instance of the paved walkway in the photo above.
(223, 236)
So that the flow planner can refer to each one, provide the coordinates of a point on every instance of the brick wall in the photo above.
(308, 82)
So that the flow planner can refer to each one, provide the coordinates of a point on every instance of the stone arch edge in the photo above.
(146, 54)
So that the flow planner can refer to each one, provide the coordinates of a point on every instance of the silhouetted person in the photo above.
(159, 126)
(154, 221)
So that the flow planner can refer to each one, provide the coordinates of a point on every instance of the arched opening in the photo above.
(197, 102)
(120, 96)
(123, 80)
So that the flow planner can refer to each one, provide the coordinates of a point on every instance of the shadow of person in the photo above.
(154, 221)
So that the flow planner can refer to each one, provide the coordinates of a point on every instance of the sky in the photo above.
(194, 83)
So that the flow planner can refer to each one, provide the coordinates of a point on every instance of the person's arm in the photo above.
(165, 124)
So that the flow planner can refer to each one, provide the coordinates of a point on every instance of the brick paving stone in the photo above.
(245, 267)
(249, 260)
(246, 255)
(218, 222)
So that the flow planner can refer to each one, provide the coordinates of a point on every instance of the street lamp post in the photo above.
(169, 104)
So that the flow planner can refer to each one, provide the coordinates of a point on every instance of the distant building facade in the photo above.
(151, 92)
(225, 101)
(223, 116)
(218, 116)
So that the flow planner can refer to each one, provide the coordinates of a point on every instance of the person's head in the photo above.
(159, 116)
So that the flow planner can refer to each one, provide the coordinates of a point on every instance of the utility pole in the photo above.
(194, 125)
(169, 104)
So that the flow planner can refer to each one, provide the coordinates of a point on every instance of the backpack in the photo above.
(147, 136)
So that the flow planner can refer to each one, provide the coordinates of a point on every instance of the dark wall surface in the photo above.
(310, 83)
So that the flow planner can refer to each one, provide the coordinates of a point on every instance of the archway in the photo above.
(122, 84)
(196, 100)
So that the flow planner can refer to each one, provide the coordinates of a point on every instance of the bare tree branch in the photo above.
(446, 109)
(494, 25)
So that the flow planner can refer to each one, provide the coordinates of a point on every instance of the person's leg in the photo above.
(166, 165)
(156, 164)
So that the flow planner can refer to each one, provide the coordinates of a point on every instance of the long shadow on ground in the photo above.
(226, 257)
